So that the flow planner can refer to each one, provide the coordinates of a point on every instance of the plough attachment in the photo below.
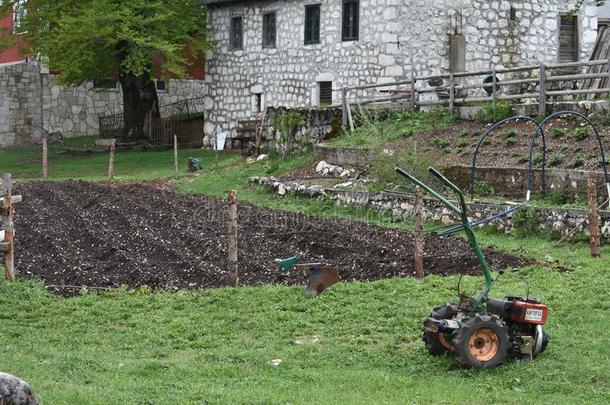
(321, 276)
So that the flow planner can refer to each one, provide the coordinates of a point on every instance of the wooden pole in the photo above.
(418, 246)
(349, 118)
(344, 107)
(542, 93)
(175, 155)
(111, 161)
(232, 236)
(593, 219)
(7, 225)
(45, 157)
(493, 93)
(451, 94)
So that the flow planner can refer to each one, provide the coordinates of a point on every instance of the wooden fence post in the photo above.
(232, 236)
(344, 107)
(593, 220)
(7, 225)
(45, 157)
(493, 93)
(175, 155)
(111, 161)
(542, 93)
(451, 93)
(413, 95)
(418, 245)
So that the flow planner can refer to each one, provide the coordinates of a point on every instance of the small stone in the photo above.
(262, 157)
(276, 362)
(281, 189)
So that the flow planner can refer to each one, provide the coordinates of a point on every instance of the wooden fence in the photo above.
(185, 119)
(7, 199)
(454, 89)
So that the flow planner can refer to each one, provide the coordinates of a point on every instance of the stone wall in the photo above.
(401, 205)
(30, 100)
(320, 123)
(20, 99)
(396, 38)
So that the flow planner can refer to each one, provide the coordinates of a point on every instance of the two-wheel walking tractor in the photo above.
(477, 330)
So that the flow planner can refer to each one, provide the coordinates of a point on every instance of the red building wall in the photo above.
(11, 54)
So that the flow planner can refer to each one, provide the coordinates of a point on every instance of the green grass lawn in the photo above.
(357, 342)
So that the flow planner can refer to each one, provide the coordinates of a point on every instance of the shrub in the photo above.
(526, 221)
(558, 132)
(580, 134)
(577, 161)
(556, 160)
(487, 115)
(509, 134)
(287, 124)
(557, 196)
(510, 142)
(441, 143)
(409, 157)
(463, 143)
(524, 159)
(483, 188)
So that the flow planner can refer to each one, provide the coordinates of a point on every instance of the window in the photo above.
(237, 39)
(269, 30)
(326, 93)
(568, 39)
(312, 24)
(351, 11)
(161, 85)
(258, 102)
(19, 13)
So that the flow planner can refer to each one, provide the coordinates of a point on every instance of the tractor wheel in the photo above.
(436, 342)
(481, 341)
(542, 340)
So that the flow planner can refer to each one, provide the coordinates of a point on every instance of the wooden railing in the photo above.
(453, 92)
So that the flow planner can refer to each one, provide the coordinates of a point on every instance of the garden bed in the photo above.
(97, 235)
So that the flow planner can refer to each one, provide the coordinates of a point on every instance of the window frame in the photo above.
(232, 37)
(266, 27)
(355, 35)
(309, 7)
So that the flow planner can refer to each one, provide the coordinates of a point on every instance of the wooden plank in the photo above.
(418, 245)
(232, 237)
(593, 218)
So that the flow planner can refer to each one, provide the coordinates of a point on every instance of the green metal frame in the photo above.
(462, 211)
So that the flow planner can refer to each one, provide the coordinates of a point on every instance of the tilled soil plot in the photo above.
(96, 235)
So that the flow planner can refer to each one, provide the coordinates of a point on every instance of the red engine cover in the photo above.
(529, 312)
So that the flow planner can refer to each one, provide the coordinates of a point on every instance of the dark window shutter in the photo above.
(312, 24)
(236, 35)
(326, 93)
(350, 25)
(269, 30)
(568, 42)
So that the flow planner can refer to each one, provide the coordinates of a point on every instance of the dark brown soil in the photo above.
(508, 145)
(96, 235)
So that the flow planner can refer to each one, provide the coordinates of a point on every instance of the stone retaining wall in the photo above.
(558, 220)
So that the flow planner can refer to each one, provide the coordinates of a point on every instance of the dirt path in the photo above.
(79, 233)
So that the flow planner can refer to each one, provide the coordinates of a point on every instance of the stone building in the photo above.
(300, 53)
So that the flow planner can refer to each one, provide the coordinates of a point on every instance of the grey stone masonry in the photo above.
(396, 38)
(31, 100)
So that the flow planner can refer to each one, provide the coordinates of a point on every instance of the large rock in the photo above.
(14, 391)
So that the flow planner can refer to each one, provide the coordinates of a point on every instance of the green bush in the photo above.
(441, 143)
(509, 134)
(577, 161)
(409, 157)
(510, 142)
(580, 134)
(556, 160)
(526, 221)
(483, 188)
(557, 196)
(287, 123)
(463, 143)
(558, 132)
(487, 115)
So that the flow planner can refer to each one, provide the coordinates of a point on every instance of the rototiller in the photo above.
(320, 276)
(480, 331)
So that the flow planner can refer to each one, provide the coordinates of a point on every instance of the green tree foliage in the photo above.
(134, 41)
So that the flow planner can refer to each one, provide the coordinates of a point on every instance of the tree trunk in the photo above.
(140, 104)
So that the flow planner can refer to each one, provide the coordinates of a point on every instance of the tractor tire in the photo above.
(542, 340)
(435, 342)
(481, 342)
